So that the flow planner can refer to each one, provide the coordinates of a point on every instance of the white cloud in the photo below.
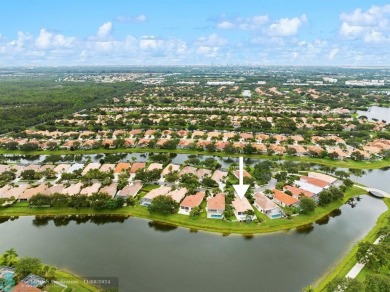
(104, 30)
(286, 26)
(372, 16)
(47, 40)
(350, 31)
(371, 26)
(225, 25)
(21, 40)
(244, 23)
(140, 18)
(213, 40)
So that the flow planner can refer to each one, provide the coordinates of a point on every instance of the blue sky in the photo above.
(173, 32)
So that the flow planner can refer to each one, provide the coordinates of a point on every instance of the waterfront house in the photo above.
(154, 166)
(122, 166)
(240, 207)
(130, 190)
(89, 167)
(178, 194)
(283, 199)
(161, 191)
(94, 188)
(216, 206)
(191, 202)
(297, 192)
(324, 177)
(267, 207)
(110, 189)
(73, 189)
(28, 193)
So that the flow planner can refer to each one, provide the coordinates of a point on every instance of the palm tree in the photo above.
(308, 289)
(10, 257)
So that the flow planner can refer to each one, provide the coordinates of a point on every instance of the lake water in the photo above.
(376, 112)
(152, 257)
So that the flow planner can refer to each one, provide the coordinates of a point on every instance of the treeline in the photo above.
(97, 201)
(29, 102)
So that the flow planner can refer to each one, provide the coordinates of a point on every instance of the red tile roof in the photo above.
(297, 191)
(217, 202)
(315, 181)
(193, 200)
(284, 198)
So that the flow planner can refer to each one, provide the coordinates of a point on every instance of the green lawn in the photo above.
(76, 283)
(202, 223)
(346, 264)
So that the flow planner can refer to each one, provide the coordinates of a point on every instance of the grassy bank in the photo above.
(346, 264)
(323, 161)
(212, 225)
(72, 281)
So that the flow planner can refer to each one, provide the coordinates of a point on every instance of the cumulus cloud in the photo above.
(21, 40)
(371, 26)
(47, 39)
(243, 23)
(286, 26)
(104, 30)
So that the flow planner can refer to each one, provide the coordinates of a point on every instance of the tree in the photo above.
(249, 149)
(195, 213)
(164, 205)
(377, 283)
(228, 213)
(374, 256)
(307, 205)
(40, 200)
(9, 257)
(345, 285)
(26, 266)
(249, 215)
(357, 156)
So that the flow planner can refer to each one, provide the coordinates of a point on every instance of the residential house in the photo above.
(267, 207)
(170, 168)
(216, 206)
(122, 166)
(161, 191)
(136, 166)
(283, 199)
(191, 202)
(89, 167)
(240, 207)
(178, 194)
(130, 190)
(28, 193)
(110, 189)
(324, 177)
(73, 189)
(297, 192)
(154, 166)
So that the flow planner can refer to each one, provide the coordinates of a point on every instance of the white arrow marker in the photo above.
(241, 188)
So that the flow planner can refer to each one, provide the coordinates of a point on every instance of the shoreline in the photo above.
(344, 264)
(201, 224)
(323, 161)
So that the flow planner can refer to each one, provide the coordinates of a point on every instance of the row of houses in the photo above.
(309, 186)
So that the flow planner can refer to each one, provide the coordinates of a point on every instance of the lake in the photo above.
(151, 257)
(376, 112)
